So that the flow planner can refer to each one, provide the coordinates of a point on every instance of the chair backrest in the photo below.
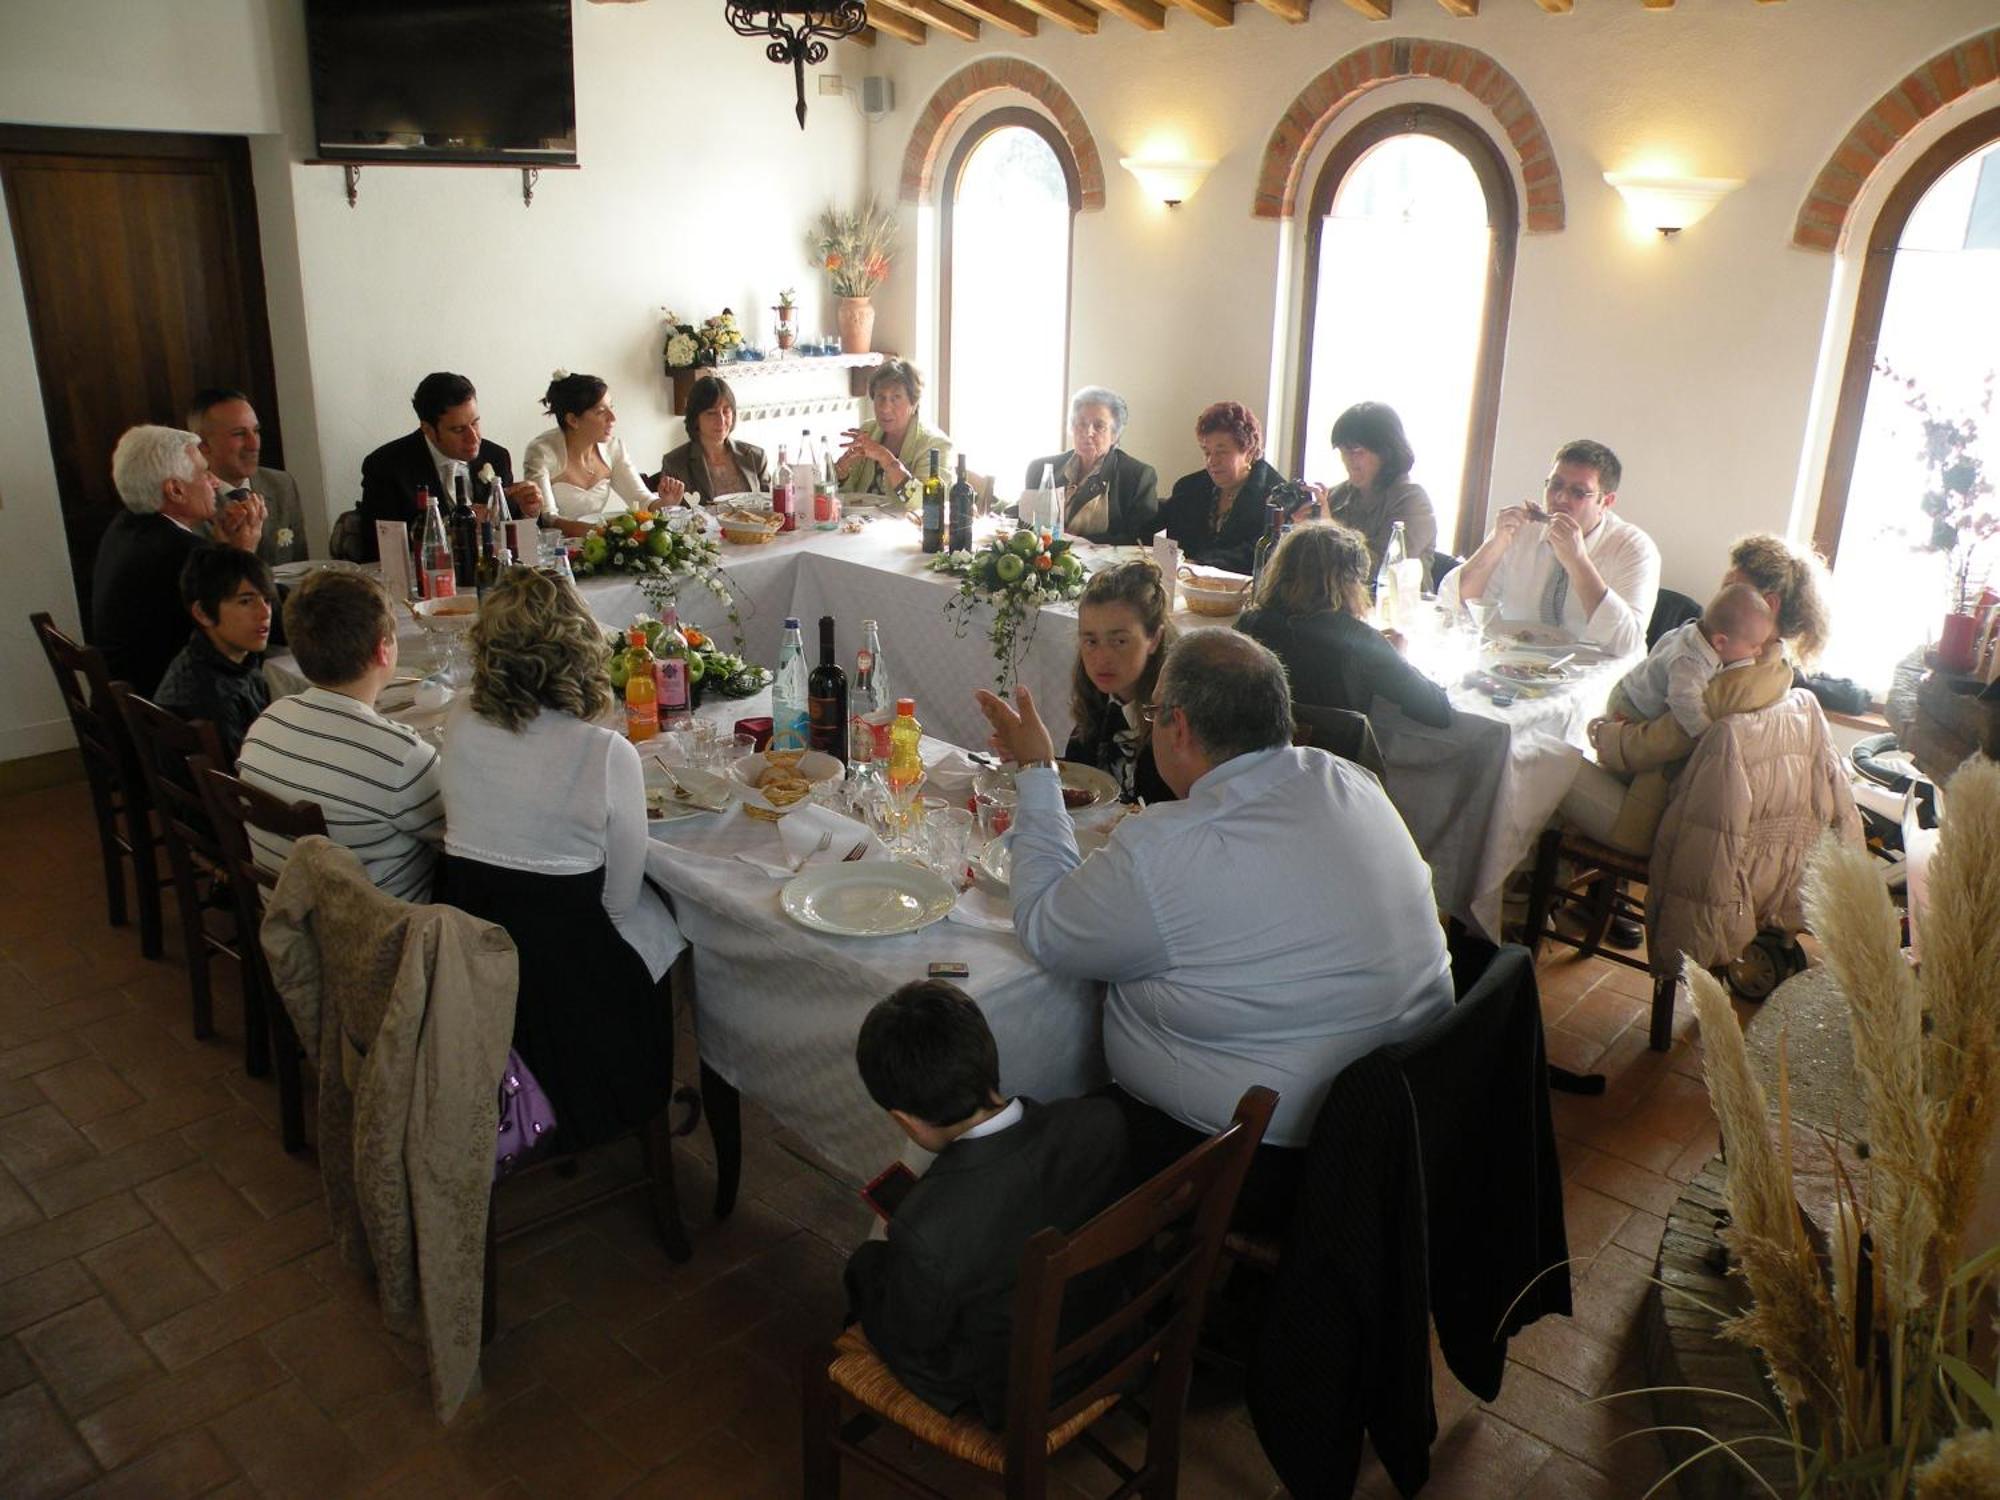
(1441, 564)
(1178, 1219)
(164, 744)
(84, 681)
(1671, 610)
(235, 807)
(1338, 731)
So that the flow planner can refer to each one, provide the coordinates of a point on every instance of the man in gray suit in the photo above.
(231, 441)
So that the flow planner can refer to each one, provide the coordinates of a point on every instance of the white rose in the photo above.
(284, 536)
(680, 351)
(486, 473)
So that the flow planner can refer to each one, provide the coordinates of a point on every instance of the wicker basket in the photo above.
(747, 532)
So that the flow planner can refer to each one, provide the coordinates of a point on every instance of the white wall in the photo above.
(695, 192)
(1694, 359)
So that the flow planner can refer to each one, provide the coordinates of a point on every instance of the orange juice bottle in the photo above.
(642, 693)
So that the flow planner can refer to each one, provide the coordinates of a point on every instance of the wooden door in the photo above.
(144, 283)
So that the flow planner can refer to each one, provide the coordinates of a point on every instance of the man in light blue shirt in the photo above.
(1271, 927)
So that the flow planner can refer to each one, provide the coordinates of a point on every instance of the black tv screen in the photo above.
(443, 80)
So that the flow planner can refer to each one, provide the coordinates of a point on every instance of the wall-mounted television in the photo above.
(443, 81)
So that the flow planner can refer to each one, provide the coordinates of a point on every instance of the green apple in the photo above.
(1024, 544)
(1010, 567)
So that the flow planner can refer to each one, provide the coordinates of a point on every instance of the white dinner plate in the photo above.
(741, 500)
(996, 860)
(711, 793)
(873, 898)
(292, 572)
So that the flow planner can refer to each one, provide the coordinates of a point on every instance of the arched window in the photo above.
(1926, 327)
(1010, 196)
(1409, 270)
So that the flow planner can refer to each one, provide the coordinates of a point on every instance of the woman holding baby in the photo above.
(1768, 616)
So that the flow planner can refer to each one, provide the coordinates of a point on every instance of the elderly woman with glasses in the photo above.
(1109, 494)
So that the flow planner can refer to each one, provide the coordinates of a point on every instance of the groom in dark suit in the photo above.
(936, 1298)
(446, 442)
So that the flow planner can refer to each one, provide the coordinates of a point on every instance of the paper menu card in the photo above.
(392, 541)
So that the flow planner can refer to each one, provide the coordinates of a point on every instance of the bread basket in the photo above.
(748, 528)
(1214, 593)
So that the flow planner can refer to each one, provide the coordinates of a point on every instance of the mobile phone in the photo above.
(949, 971)
(1504, 698)
(885, 1194)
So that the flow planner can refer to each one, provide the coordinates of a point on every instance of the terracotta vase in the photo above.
(1955, 642)
(857, 325)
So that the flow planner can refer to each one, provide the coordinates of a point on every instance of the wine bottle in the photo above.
(826, 697)
(962, 501)
(434, 553)
(670, 659)
(933, 508)
(464, 534)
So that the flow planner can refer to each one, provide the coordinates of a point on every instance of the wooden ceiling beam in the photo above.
(1374, 10)
(1295, 11)
(1003, 13)
(1147, 15)
(1077, 17)
(894, 23)
(864, 37)
(1460, 7)
(942, 16)
(1659, 4)
(1215, 12)
(1557, 7)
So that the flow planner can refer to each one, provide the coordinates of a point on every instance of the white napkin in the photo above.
(800, 831)
(950, 775)
(991, 911)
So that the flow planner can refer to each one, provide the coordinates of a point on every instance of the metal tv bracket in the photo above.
(352, 171)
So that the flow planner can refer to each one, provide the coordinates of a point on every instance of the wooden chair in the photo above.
(164, 745)
(234, 808)
(1179, 1218)
(117, 790)
(1338, 731)
(1598, 889)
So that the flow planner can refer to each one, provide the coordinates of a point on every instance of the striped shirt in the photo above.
(376, 782)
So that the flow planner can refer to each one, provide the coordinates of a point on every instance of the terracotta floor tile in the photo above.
(17, 1094)
(16, 1369)
(1629, 1184)
(22, 1060)
(721, 1468)
(267, 1244)
(1559, 1349)
(1590, 1218)
(173, 1403)
(1481, 1458)
(1567, 1049)
(29, 1299)
(690, 1327)
(611, 1287)
(18, 1210)
(1631, 1142)
(575, 1358)
(44, 1459)
(87, 1181)
(178, 1469)
(288, 1448)
(239, 1146)
(1565, 1478)
(165, 1111)
(198, 1207)
(38, 1141)
(148, 1276)
(539, 1441)
(199, 1331)
(337, 1359)
(73, 1233)
(87, 1355)
(1641, 1234)
(1601, 1015)
(86, 1089)
(659, 1424)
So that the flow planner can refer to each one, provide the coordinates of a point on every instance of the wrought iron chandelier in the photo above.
(799, 41)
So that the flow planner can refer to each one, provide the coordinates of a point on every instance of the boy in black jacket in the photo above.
(936, 1297)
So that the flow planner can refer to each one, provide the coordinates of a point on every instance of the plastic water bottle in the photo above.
(1389, 611)
(791, 719)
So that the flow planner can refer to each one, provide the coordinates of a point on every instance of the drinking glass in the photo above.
(1480, 612)
(947, 833)
(995, 811)
(707, 736)
(736, 747)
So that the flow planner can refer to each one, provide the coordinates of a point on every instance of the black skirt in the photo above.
(590, 1022)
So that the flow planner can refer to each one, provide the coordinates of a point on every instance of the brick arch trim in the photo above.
(966, 87)
(1829, 203)
(1334, 91)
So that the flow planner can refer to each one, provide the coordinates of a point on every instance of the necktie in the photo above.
(1556, 596)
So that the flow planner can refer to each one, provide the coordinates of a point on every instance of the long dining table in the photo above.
(778, 1006)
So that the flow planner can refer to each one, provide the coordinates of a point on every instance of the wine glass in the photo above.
(1480, 612)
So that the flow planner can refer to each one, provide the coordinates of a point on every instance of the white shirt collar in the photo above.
(1011, 1115)
(446, 466)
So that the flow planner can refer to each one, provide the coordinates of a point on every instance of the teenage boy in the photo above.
(375, 780)
(936, 1297)
(219, 673)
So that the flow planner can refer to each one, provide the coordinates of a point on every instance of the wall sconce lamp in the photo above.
(1172, 182)
(1670, 204)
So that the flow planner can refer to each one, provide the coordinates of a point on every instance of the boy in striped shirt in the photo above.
(375, 780)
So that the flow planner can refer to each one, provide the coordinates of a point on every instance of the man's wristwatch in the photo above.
(1046, 763)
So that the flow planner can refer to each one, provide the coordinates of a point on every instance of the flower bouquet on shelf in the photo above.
(1016, 575)
(661, 550)
(855, 249)
(710, 669)
(691, 345)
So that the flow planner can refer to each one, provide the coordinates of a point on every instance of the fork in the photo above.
(825, 843)
(855, 853)
(681, 793)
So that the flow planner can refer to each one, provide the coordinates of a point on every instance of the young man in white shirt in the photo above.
(1574, 566)
(376, 781)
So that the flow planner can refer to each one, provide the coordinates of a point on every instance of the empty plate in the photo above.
(874, 898)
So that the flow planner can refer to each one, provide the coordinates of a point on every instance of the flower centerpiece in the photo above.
(709, 667)
(855, 250)
(690, 345)
(661, 550)
(1016, 575)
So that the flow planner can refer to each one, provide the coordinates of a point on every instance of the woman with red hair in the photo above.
(1216, 513)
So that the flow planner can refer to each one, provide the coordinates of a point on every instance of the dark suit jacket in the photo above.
(1134, 505)
(136, 616)
(1094, 743)
(1337, 661)
(394, 472)
(936, 1298)
(1187, 515)
(686, 464)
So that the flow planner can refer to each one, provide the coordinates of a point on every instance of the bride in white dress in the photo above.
(580, 466)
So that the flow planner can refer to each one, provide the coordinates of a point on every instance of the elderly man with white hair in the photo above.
(1108, 494)
(136, 615)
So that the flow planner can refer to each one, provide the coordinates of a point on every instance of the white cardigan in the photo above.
(548, 456)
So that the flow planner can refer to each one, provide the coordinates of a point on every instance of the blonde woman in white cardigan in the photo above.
(581, 467)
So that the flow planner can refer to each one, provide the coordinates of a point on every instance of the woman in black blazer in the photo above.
(1216, 514)
(1122, 635)
(1109, 496)
(1312, 608)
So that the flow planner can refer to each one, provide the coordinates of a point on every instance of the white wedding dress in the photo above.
(619, 491)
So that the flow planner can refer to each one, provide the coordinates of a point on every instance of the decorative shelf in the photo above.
(788, 383)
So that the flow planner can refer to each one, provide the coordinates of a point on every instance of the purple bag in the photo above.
(526, 1116)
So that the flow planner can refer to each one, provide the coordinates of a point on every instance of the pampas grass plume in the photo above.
(1965, 1467)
